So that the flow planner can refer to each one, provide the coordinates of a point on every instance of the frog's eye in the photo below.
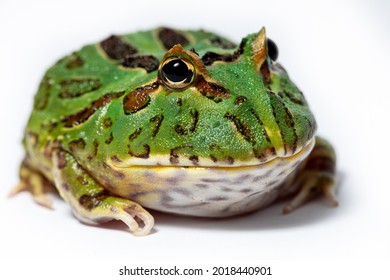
(177, 73)
(272, 49)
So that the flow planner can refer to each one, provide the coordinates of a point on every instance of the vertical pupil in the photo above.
(176, 71)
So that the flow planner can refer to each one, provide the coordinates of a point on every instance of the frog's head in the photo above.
(194, 99)
(214, 106)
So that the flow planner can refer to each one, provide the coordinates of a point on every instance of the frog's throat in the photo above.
(185, 161)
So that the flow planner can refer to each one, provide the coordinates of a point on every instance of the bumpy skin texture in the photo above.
(107, 107)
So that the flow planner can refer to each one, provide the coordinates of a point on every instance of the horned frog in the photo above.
(183, 122)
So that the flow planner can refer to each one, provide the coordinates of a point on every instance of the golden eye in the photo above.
(177, 73)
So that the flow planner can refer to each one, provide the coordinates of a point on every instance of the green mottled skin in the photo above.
(117, 127)
(239, 77)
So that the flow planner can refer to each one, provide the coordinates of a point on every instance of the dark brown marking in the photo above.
(91, 201)
(239, 100)
(42, 96)
(179, 102)
(294, 99)
(82, 116)
(145, 154)
(174, 157)
(264, 71)
(247, 190)
(170, 37)
(95, 149)
(242, 127)
(194, 159)
(116, 159)
(148, 62)
(135, 134)
(138, 98)
(189, 127)
(262, 125)
(107, 122)
(109, 139)
(210, 57)
(222, 43)
(117, 49)
(156, 124)
(212, 91)
(76, 87)
(77, 145)
(229, 160)
(265, 154)
(74, 61)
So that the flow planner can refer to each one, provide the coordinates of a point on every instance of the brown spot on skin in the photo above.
(107, 122)
(48, 151)
(42, 97)
(148, 62)
(82, 116)
(189, 128)
(82, 180)
(242, 127)
(212, 91)
(210, 57)
(194, 159)
(78, 144)
(174, 157)
(109, 139)
(76, 87)
(115, 159)
(264, 155)
(222, 43)
(142, 155)
(94, 150)
(170, 37)
(239, 100)
(117, 49)
(156, 121)
(138, 98)
(91, 201)
(179, 102)
(74, 61)
(264, 70)
(135, 134)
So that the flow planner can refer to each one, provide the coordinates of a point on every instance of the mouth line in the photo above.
(163, 161)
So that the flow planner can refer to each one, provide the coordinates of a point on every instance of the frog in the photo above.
(178, 121)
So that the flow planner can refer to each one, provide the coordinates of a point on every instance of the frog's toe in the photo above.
(139, 221)
(317, 176)
(91, 202)
(312, 185)
(33, 182)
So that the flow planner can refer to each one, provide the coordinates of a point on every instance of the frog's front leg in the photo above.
(91, 202)
(316, 177)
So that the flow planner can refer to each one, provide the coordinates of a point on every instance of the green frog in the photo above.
(184, 122)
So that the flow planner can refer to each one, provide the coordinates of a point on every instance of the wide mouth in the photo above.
(199, 162)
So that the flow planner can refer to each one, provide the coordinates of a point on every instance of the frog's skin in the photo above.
(115, 128)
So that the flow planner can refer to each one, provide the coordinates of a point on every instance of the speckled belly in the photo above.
(209, 191)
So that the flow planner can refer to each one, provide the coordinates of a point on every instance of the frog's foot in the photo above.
(34, 182)
(91, 202)
(317, 177)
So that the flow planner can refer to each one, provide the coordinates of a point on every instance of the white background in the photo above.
(338, 54)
